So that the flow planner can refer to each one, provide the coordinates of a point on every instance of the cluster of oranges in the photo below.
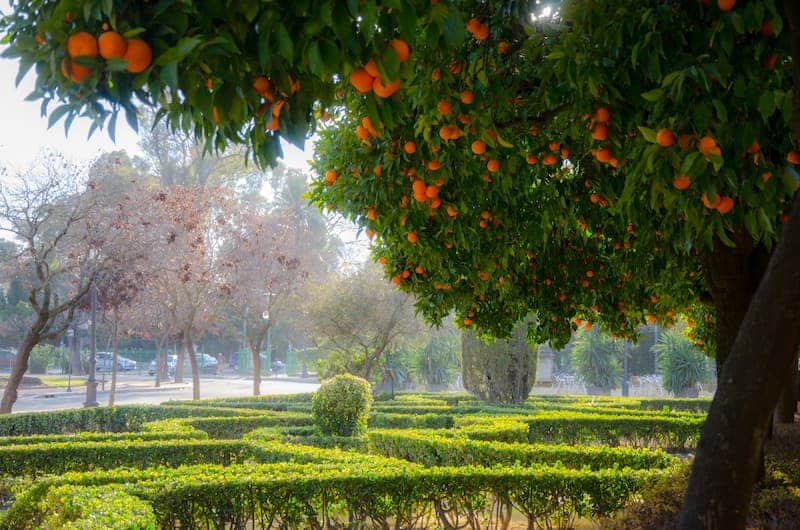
(269, 96)
(599, 128)
(110, 45)
(478, 29)
(368, 78)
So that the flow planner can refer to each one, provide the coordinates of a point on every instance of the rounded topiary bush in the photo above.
(341, 405)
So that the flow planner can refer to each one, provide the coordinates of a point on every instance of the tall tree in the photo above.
(359, 317)
(67, 234)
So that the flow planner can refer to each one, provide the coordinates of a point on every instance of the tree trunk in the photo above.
(160, 359)
(112, 393)
(179, 357)
(193, 362)
(20, 365)
(76, 367)
(727, 460)
(255, 353)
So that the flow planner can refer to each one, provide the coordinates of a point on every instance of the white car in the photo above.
(105, 360)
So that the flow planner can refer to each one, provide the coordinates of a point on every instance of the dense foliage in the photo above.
(341, 405)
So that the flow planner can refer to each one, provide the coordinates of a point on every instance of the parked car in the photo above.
(207, 364)
(106, 358)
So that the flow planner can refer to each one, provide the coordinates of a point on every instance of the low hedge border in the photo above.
(124, 418)
(438, 448)
(352, 496)
(182, 432)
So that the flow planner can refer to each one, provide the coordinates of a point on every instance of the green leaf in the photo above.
(455, 32)
(56, 115)
(285, 44)
(653, 95)
(112, 127)
(169, 74)
(178, 52)
(315, 62)
(649, 134)
(766, 104)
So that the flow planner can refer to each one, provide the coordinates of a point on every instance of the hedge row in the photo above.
(351, 496)
(125, 418)
(567, 427)
(440, 448)
(180, 431)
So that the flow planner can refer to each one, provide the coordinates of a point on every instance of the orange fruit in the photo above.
(434, 165)
(711, 204)
(531, 159)
(82, 44)
(419, 270)
(478, 147)
(549, 160)
(685, 140)
(377, 170)
(436, 75)
(410, 147)
(682, 182)
(75, 72)
(473, 24)
(726, 5)
(384, 91)
(602, 115)
(651, 319)
(396, 279)
(665, 138)
(139, 55)
(455, 67)
(371, 214)
(502, 47)
(367, 124)
(372, 68)
(452, 212)
(444, 107)
(449, 132)
(564, 153)
(112, 45)
(604, 154)
(362, 133)
(769, 64)
(432, 191)
(467, 97)
(370, 233)
(330, 176)
(467, 321)
(493, 165)
(600, 132)
(766, 29)
(766, 176)
(793, 157)
(39, 39)
(594, 198)
(482, 33)
(725, 205)
(215, 114)
(412, 237)
(707, 146)
(405, 274)
(401, 48)
(261, 85)
(361, 80)
(554, 146)
(754, 148)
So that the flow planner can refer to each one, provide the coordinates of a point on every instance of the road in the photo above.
(138, 389)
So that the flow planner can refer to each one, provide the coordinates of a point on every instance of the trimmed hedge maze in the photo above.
(426, 461)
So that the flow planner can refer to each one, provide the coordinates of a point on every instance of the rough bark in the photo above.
(193, 362)
(20, 365)
(255, 352)
(179, 359)
(728, 453)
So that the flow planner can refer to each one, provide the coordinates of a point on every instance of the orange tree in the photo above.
(616, 162)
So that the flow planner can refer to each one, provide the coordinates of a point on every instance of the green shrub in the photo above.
(596, 358)
(95, 508)
(341, 405)
(682, 365)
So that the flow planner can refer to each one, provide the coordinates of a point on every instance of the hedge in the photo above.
(125, 418)
(350, 496)
(56, 458)
(72, 507)
(437, 448)
(385, 420)
(185, 432)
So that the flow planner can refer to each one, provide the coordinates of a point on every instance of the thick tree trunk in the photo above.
(255, 354)
(112, 393)
(193, 362)
(20, 365)
(160, 359)
(728, 453)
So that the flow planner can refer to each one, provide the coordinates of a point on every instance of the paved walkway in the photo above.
(134, 389)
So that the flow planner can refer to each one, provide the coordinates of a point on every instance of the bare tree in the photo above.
(64, 238)
(359, 317)
(261, 269)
